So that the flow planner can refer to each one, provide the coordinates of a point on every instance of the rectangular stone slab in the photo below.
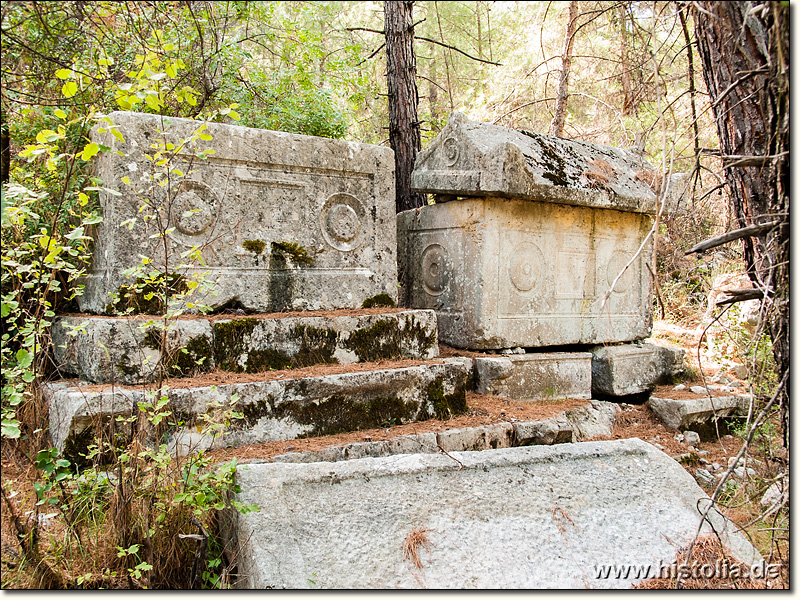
(278, 409)
(633, 369)
(536, 376)
(534, 517)
(479, 159)
(505, 273)
(331, 199)
(128, 349)
(694, 414)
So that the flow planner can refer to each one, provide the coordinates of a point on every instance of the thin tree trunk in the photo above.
(624, 51)
(744, 51)
(557, 126)
(401, 74)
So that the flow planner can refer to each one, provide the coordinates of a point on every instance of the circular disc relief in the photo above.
(435, 270)
(525, 267)
(343, 222)
(619, 258)
(450, 149)
(194, 208)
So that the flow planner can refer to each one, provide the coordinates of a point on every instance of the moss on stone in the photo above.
(317, 346)
(194, 358)
(259, 361)
(444, 405)
(146, 297)
(378, 301)
(386, 340)
(295, 252)
(230, 342)
(254, 246)
(341, 414)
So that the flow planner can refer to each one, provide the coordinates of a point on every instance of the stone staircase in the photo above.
(300, 233)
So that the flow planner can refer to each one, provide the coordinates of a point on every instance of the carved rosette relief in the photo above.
(450, 150)
(525, 267)
(343, 222)
(435, 270)
(194, 210)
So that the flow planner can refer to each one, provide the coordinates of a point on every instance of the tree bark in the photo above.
(557, 126)
(401, 73)
(744, 50)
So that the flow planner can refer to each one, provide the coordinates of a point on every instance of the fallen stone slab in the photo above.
(479, 159)
(633, 368)
(128, 350)
(506, 273)
(272, 410)
(536, 376)
(536, 517)
(695, 413)
(282, 221)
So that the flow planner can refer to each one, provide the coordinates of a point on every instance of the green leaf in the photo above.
(24, 358)
(64, 73)
(60, 113)
(69, 89)
(89, 151)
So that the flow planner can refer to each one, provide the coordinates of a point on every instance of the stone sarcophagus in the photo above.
(275, 221)
(528, 235)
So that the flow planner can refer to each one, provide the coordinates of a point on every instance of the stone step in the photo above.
(276, 406)
(594, 419)
(534, 517)
(127, 350)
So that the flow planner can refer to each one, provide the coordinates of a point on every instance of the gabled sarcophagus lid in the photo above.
(479, 160)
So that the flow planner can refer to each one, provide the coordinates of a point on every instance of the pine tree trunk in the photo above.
(746, 69)
(557, 126)
(401, 73)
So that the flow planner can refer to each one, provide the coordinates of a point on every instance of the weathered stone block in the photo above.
(479, 159)
(555, 430)
(593, 420)
(693, 414)
(505, 273)
(536, 376)
(283, 221)
(632, 368)
(278, 409)
(534, 517)
(483, 437)
(128, 349)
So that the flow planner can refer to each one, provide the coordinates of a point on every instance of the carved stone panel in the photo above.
(277, 221)
(504, 273)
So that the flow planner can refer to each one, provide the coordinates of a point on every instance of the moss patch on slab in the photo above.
(444, 405)
(379, 300)
(229, 342)
(294, 252)
(342, 414)
(386, 340)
